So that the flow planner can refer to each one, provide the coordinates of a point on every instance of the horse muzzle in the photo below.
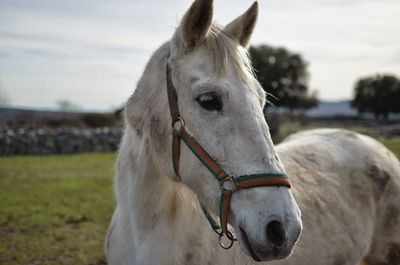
(266, 233)
(277, 244)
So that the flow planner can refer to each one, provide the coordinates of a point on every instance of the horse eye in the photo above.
(210, 101)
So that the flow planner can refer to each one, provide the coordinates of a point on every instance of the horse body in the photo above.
(346, 185)
(348, 189)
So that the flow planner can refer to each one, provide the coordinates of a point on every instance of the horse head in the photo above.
(222, 104)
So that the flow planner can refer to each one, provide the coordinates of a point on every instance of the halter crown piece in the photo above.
(227, 182)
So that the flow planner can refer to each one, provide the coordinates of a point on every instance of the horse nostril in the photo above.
(276, 233)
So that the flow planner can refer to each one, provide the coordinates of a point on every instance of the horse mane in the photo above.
(225, 52)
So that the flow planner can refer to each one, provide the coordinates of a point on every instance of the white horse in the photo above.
(347, 185)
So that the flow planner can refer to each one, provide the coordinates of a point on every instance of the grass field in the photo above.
(393, 145)
(55, 209)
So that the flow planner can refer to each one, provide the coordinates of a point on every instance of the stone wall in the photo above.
(58, 141)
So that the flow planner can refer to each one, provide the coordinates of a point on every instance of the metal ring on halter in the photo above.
(229, 236)
(176, 121)
(228, 184)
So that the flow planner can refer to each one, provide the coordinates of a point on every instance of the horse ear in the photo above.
(242, 27)
(195, 23)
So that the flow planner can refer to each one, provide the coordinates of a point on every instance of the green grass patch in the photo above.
(55, 209)
(393, 145)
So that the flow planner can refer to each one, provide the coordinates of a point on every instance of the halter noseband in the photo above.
(227, 182)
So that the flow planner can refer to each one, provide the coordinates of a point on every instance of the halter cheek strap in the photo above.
(227, 182)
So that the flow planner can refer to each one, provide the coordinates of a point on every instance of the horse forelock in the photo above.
(226, 52)
(223, 50)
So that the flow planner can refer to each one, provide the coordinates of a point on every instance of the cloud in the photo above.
(341, 39)
(94, 51)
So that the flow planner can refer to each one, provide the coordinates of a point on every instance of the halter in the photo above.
(228, 183)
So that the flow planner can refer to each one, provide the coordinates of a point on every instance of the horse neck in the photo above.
(141, 189)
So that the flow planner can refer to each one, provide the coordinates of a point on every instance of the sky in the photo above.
(93, 52)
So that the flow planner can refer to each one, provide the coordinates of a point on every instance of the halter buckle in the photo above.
(177, 125)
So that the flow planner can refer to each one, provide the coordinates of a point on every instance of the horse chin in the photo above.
(262, 253)
(248, 249)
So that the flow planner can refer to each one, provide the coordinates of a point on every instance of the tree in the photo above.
(379, 95)
(67, 106)
(284, 76)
